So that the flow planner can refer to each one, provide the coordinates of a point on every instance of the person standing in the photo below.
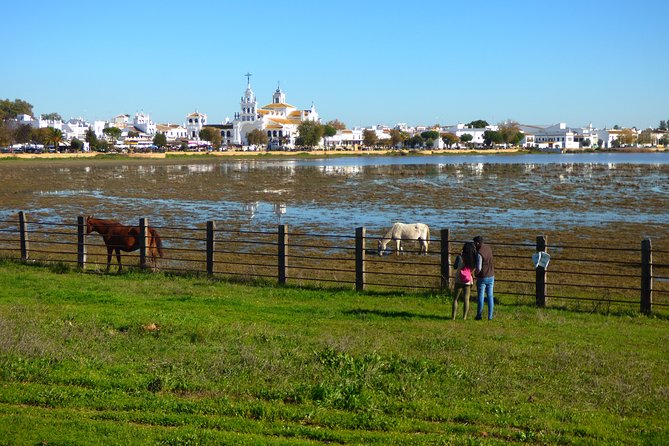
(485, 277)
(465, 263)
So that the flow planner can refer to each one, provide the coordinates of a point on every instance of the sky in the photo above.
(362, 62)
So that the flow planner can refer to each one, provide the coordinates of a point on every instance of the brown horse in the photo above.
(120, 237)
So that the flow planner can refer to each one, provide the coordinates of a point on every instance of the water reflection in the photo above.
(250, 209)
(279, 210)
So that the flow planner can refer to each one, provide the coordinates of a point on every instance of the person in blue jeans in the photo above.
(485, 277)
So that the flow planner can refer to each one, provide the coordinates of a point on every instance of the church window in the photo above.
(269, 133)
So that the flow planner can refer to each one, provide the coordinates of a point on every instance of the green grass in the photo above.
(154, 359)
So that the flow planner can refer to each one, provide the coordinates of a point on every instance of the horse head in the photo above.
(381, 247)
(91, 224)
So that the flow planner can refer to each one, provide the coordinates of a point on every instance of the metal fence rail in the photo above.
(629, 276)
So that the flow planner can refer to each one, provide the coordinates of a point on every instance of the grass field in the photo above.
(155, 359)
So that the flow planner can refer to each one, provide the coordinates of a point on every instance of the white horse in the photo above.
(403, 231)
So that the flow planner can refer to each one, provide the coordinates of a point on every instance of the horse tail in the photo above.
(159, 243)
(427, 233)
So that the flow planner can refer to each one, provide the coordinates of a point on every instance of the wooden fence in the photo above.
(598, 275)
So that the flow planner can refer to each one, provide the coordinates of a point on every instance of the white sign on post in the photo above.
(541, 259)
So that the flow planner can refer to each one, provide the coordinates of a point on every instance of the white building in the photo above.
(477, 133)
(560, 136)
(194, 123)
(39, 123)
(75, 128)
(279, 120)
(172, 132)
(144, 124)
(346, 139)
(120, 121)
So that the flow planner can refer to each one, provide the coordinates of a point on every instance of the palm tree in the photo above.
(54, 137)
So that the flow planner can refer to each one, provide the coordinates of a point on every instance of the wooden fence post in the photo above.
(646, 277)
(81, 242)
(283, 253)
(211, 227)
(445, 259)
(23, 231)
(541, 274)
(360, 273)
(143, 225)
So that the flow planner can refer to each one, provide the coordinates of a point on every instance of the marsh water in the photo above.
(467, 193)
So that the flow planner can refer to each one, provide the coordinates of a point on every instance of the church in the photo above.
(278, 120)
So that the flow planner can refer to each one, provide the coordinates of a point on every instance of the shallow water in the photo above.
(336, 195)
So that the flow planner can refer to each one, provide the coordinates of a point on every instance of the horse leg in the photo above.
(398, 247)
(109, 256)
(118, 258)
(153, 258)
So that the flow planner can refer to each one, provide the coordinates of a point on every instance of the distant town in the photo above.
(281, 126)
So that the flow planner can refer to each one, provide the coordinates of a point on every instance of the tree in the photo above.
(40, 136)
(466, 138)
(430, 134)
(11, 109)
(133, 134)
(415, 142)
(54, 137)
(664, 140)
(329, 130)
(52, 117)
(23, 133)
(369, 138)
(101, 146)
(91, 138)
(310, 134)
(586, 142)
(491, 137)
(257, 137)
(160, 140)
(511, 133)
(478, 124)
(337, 124)
(663, 125)
(397, 137)
(450, 139)
(646, 137)
(6, 134)
(112, 133)
(213, 135)
(76, 145)
(627, 137)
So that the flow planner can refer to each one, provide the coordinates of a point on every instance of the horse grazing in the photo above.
(118, 237)
(403, 231)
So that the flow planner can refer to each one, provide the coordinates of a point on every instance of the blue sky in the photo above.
(362, 62)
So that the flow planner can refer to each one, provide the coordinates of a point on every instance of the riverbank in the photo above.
(300, 153)
(264, 154)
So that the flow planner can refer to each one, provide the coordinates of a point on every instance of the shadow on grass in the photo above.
(393, 314)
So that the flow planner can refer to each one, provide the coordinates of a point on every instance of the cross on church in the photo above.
(248, 78)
